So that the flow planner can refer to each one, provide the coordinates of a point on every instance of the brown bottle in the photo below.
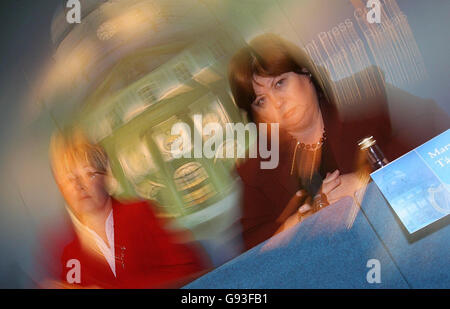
(374, 155)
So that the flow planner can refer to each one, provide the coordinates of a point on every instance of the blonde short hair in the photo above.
(71, 147)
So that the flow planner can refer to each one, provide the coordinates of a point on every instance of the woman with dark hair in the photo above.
(274, 81)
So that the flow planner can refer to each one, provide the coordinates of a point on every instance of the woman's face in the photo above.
(83, 188)
(289, 99)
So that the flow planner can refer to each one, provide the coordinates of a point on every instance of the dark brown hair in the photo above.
(267, 55)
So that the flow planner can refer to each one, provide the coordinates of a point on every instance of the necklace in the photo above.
(312, 146)
(309, 147)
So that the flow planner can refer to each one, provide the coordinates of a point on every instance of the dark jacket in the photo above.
(267, 192)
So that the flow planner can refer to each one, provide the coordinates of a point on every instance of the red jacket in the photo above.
(147, 256)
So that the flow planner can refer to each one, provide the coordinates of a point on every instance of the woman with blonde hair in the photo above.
(114, 245)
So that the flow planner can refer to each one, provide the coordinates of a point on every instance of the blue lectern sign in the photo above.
(417, 185)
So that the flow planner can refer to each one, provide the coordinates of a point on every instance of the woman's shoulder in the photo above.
(365, 95)
(407, 111)
(137, 209)
(249, 171)
(388, 113)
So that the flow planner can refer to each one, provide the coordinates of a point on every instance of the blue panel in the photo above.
(425, 261)
(417, 185)
(436, 154)
(411, 193)
(321, 252)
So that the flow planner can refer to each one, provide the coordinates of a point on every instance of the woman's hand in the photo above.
(349, 184)
(328, 194)
(329, 185)
(328, 191)
(301, 204)
(290, 216)
(336, 186)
